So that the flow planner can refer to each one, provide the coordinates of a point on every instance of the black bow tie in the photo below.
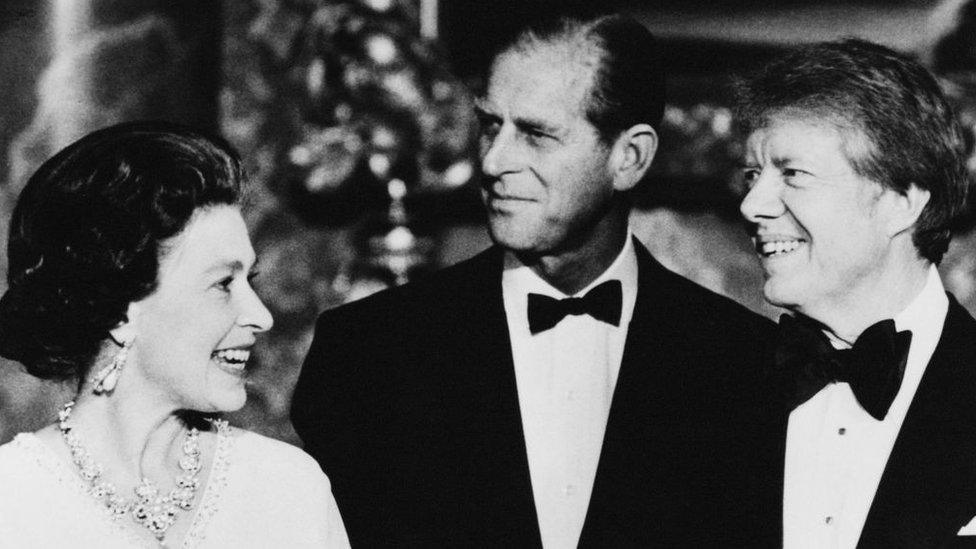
(873, 367)
(603, 302)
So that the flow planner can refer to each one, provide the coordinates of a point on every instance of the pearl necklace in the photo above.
(152, 510)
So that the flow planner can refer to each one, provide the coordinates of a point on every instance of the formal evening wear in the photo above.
(602, 302)
(908, 480)
(412, 400)
(260, 493)
(873, 367)
(565, 378)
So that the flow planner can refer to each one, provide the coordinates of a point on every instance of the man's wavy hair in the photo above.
(86, 234)
(912, 133)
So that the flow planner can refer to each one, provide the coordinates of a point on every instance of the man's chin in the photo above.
(781, 295)
(507, 235)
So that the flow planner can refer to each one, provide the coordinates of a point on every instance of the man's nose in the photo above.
(499, 154)
(763, 200)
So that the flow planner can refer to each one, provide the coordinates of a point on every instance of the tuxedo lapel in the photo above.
(628, 451)
(485, 398)
(928, 489)
(645, 345)
(692, 450)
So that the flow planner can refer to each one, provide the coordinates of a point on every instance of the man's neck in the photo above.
(849, 318)
(571, 271)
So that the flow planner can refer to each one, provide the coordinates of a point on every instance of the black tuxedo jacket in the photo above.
(928, 488)
(408, 401)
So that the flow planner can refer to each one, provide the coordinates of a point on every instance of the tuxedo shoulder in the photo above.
(959, 315)
(433, 291)
(958, 336)
(376, 345)
(402, 325)
(705, 300)
(708, 307)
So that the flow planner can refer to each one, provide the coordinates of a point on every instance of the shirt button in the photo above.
(841, 431)
(829, 520)
(569, 490)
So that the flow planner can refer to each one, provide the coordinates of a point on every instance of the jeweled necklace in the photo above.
(154, 511)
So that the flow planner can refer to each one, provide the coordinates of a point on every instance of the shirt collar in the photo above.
(926, 314)
(923, 316)
(519, 280)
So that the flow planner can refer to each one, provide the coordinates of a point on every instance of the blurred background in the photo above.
(354, 119)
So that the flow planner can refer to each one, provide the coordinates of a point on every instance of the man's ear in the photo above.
(126, 330)
(905, 208)
(632, 155)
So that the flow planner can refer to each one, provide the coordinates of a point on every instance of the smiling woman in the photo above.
(130, 269)
(203, 301)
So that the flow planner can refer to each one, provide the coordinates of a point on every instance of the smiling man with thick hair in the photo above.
(856, 175)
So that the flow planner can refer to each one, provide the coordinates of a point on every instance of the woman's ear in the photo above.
(632, 155)
(126, 330)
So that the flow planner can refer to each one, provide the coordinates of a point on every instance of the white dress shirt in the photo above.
(565, 376)
(836, 452)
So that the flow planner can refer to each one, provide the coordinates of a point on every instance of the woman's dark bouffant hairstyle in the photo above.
(86, 231)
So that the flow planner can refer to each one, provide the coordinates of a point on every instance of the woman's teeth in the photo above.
(777, 247)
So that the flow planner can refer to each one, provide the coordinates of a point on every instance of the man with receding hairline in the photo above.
(561, 389)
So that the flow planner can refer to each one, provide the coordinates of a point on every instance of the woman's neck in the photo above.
(130, 437)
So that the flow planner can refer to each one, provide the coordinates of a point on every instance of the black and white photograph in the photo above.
(509, 273)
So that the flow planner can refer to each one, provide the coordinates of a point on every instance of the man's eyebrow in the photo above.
(521, 122)
(782, 161)
(535, 124)
(779, 162)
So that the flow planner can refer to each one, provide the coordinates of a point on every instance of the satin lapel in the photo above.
(928, 490)
(628, 446)
(490, 397)
(656, 483)
(635, 386)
